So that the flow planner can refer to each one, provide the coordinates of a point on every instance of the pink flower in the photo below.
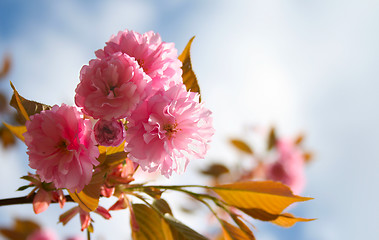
(158, 59)
(61, 147)
(167, 131)
(109, 133)
(44, 234)
(110, 88)
(289, 166)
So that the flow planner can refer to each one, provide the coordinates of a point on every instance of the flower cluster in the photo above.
(134, 93)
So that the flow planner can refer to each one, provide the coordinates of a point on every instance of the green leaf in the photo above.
(22, 188)
(26, 107)
(271, 197)
(189, 77)
(18, 131)
(241, 145)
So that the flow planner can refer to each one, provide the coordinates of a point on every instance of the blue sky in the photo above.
(305, 66)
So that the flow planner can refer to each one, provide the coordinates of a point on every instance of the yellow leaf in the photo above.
(166, 230)
(88, 198)
(149, 222)
(19, 104)
(112, 155)
(17, 131)
(189, 77)
(232, 232)
(288, 220)
(241, 145)
(6, 137)
(30, 107)
(272, 197)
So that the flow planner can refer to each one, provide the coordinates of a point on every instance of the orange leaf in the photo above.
(288, 220)
(189, 77)
(241, 145)
(272, 197)
(232, 232)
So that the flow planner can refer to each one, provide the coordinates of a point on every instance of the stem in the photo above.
(25, 200)
(88, 235)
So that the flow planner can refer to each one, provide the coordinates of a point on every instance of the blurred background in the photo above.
(303, 66)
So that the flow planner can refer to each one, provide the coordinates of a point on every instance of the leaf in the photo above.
(22, 188)
(271, 141)
(88, 198)
(149, 222)
(242, 225)
(215, 170)
(26, 107)
(162, 206)
(3, 102)
(112, 155)
(167, 231)
(18, 131)
(232, 232)
(308, 156)
(153, 192)
(7, 137)
(21, 229)
(189, 77)
(272, 197)
(299, 140)
(17, 103)
(181, 231)
(241, 145)
(288, 220)
(6, 66)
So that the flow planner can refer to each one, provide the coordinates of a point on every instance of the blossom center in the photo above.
(62, 145)
(170, 129)
(141, 63)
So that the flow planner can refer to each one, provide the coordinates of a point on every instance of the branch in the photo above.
(25, 200)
